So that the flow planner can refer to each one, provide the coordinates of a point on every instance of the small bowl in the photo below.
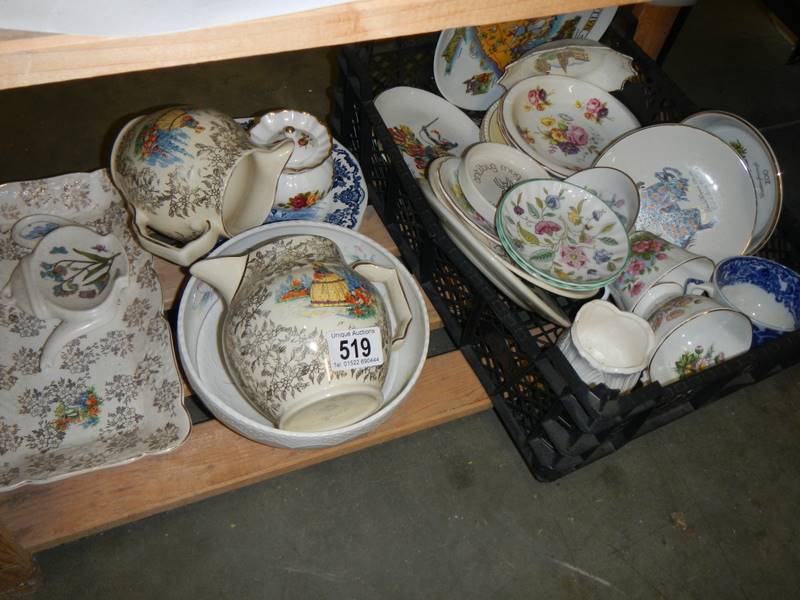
(488, 170)
(613, 187)
(765, 291)
(695, 333)
(562, 233)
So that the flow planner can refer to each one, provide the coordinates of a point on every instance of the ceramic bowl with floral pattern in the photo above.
(563, 123)
(562, 233)
(488, 252)
(695, 333)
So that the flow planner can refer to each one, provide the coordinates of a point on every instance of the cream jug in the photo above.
(191, 175)
(306, 337)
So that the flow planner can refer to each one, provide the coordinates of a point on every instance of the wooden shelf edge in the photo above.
(35, 59)
(215, 460)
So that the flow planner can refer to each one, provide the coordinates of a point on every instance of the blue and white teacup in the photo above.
(766, 291)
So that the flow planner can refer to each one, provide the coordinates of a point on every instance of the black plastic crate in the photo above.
(556, 421)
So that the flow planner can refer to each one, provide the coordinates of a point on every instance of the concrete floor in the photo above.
(703, 508)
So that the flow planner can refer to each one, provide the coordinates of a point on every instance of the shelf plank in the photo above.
(31, 59)
(215, 460)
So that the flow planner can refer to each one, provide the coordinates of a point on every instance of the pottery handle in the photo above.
(397, 297)
(697, 287)
(184, 256)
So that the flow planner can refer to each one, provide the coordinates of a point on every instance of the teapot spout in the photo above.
(224, 274)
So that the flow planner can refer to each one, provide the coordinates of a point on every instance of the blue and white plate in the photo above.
(344, 205)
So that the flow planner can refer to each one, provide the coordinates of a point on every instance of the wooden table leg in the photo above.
(19, 573)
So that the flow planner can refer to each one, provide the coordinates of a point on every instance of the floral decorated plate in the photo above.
(488, 251)
(469, 61)
(761, 162)
(344, 205)
(613, 187)
(586, 60)
(563, 123)
(446, 175)
(562, 233)
(424, 126)
(113, 394)
(199, 321)
(695, 190)
(491, 265)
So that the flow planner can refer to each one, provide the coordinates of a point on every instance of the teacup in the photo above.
(192, 175)
(694, 333)
(607, 345)
(656, 261)
(767, 292)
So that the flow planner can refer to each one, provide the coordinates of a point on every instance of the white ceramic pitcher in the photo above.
(192, 175)
(306, 337)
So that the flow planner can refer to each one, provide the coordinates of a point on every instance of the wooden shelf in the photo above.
(30, 59)
(215, 459)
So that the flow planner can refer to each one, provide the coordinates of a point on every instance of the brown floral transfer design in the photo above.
(114, 394)
(272, 360)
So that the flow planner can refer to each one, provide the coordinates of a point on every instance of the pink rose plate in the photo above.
(562, 123)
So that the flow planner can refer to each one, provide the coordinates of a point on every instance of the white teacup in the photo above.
(694, 333)
(655, 261)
